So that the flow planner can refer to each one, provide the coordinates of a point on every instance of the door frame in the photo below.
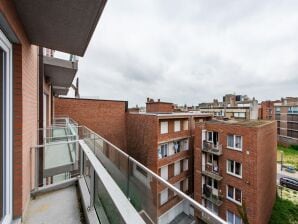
(7, 131)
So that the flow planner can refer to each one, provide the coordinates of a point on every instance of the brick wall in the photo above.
(258, 158)
(105, 117)
(25, 108)
(142, 139)
(159, 107)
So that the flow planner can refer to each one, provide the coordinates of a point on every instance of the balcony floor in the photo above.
(61, 206)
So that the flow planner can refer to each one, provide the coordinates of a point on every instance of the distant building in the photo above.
(162, 140)
(235, 164)
(232, 106)
(286, 115)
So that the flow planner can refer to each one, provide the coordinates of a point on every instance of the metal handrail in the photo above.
(170, 186)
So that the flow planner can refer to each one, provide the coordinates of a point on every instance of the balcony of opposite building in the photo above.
(78, 172)
(211, 194)
(210, 147)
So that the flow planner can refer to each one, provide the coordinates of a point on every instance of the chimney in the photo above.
(158, 100)
(148, 99)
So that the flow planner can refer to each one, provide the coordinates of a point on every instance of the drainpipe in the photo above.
(40, 117)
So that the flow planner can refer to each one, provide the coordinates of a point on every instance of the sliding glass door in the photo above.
(5, 130)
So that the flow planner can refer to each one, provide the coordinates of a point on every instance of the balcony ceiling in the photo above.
(59, 72)
(64, 25)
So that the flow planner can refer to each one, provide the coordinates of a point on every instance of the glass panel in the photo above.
(238, 195)
(237, 219)
(230, 217)
(231, 141)
(209, 136)
(104, 206)
(230, 192)
(238, 142)
(1, 132)
(238, 168)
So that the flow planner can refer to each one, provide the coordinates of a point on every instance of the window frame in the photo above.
(234, 166)
(234, 194)
(234, 219)
(234, 142)
(7, 147)
(167, 197)
(166, 127)
(177, 125)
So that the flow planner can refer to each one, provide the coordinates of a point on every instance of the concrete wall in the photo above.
(25, 103)
(105, 117)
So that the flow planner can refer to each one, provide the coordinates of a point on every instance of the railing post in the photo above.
(36, 184)
(92, 187)
(81, 162)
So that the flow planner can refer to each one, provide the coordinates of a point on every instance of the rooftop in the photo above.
(246, 123)
(175, 114)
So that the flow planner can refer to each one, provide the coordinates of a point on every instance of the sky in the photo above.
(193, 51)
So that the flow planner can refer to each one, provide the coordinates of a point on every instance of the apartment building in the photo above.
(162, 140)
(235, 168)
(232, 106)
(266, 109)
(286, 115)
(30, 76)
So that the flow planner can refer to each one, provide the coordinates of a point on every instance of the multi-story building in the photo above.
(232, 106)
(162, 140)
(286, 115)
(235, 168)
(266, 109)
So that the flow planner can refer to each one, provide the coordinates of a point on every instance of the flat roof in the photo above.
(174, 114)
(247, 123)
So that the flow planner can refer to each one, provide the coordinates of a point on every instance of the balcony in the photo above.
(60, 72)
(212, 148)
(112, 186)
(208, 195)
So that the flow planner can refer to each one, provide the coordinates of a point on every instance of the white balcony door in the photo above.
(177, 168)
(5, 130)
(164, 172)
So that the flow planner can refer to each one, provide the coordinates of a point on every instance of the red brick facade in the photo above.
(258, 159)
(105, 117)
(24, 108)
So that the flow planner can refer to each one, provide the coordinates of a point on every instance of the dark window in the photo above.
(215, 184)
(237, 195)
(230, 192)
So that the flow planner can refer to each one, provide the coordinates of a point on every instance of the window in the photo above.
(239, 114)
(234, 168)
(163, 151)
(277, 110)
(185, 125)
(293, 110)
(185, 185)
(234, 194)
(209, 136)
(209, 158)
(209, 181)
(164, 196)
(233, 218)
(185, 164)
(177, 185)
(163, 127)
(234, 142)
(177, 168)
(231, 141)
(164, 172)
(176, 126)
(5, 129)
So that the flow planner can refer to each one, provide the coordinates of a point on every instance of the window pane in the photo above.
(238, 142)
(238, 168)
(237, 219)
(238, 195)
(209, 158)
(209, 181)
(210, 136)
(230, 192)
(215, 184)
(230, 218)
(230, 141)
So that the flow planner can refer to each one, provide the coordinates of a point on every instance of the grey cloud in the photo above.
(192, 51)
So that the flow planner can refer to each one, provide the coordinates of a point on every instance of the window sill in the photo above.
(232, 200)
(234, 175)
(235, 149)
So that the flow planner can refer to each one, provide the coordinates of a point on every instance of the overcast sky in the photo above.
(192, 51)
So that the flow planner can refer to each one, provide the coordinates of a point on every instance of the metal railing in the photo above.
(212, 148)
(146, 191)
